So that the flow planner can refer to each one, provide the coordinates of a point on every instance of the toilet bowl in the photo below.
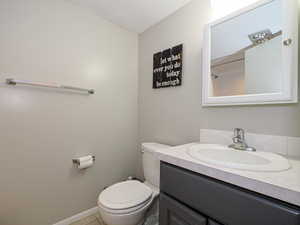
(126, 203)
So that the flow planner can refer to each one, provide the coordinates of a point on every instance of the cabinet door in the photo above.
(172, 212)
(210, 222)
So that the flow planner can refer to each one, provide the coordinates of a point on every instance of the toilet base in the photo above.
(136, 218)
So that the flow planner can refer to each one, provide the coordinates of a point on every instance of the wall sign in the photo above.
(167, 67)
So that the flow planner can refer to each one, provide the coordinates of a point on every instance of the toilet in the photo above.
(126, 203)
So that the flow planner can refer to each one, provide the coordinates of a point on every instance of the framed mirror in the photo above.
(251, 56)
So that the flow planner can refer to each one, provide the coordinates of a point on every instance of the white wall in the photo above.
(175, 115)
(222, 8)
(42, 130)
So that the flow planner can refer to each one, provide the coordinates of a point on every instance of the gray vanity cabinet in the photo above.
(210, 222)
(174, 213)
(191, 198)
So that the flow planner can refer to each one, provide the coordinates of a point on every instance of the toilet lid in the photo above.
(125, 195)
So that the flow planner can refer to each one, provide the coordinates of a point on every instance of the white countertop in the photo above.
(283, 185)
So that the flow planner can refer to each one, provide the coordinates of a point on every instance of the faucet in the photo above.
(239, 142)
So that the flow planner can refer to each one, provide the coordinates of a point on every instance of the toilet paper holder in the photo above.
(77, 162)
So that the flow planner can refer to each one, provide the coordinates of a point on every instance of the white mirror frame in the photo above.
(289, 93)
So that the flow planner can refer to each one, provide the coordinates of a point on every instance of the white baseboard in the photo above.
(78, 216)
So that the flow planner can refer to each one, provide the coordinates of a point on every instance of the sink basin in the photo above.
(223, 156)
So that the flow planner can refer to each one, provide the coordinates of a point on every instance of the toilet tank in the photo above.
(151, 164)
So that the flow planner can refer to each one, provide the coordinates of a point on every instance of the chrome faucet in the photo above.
(239, 142)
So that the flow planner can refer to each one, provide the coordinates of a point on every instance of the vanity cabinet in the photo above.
(190, 198)
(174, 213)
(210, 222)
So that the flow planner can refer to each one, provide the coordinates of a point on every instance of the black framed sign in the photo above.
(167, 67)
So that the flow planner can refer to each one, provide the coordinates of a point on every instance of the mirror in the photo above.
(246, 52)
(249, 58)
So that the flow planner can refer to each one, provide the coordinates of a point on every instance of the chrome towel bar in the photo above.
(52, 85)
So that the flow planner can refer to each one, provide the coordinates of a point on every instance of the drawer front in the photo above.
(172, 212)
(223, 202)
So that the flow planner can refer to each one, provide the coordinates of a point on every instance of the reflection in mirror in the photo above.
(246, 52)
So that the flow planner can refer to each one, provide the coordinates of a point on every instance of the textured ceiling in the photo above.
(134, 15)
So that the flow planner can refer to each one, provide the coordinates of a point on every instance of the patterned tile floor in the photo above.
(90, 220)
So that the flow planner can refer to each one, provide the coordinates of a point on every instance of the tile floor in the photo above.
(90, 220)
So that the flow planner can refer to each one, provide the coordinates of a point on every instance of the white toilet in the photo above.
(125, 203)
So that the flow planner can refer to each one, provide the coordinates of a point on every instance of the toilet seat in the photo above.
(125, 197)
(125, 211)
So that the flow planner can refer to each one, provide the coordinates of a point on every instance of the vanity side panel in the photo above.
(223, 202)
